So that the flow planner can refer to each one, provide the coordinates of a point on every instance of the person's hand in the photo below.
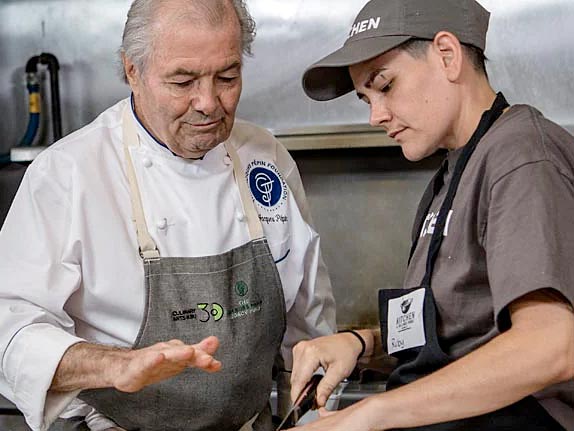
(337, 354)
(161, 361)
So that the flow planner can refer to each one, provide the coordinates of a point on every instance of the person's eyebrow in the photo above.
(373, 75)
(370, 79)
(185, 72)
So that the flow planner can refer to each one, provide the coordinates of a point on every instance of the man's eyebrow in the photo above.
(234, 65)
(185, 72)
(181, 71)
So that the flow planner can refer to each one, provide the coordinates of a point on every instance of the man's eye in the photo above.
(227, 79)
(182, 84)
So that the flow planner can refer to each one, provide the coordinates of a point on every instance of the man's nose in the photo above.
(380, 114)
(206, 99)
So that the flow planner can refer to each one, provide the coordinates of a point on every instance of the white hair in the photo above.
(137, 39)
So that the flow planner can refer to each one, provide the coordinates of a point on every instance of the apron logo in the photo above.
(188, 314)
(245, 308)
(266, 184)
(208, 312)
(216, 312)
(430, 223)
(405, 305)
(241, 288)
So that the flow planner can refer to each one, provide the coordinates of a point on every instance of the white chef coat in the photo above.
(69, 263)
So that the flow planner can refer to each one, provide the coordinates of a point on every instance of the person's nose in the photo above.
(380, 114)
(206, 98)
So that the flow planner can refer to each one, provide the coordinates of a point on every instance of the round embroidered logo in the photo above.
(241, 288)
(266, 184)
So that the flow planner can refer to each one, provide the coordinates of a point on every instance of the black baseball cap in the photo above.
(385, 24)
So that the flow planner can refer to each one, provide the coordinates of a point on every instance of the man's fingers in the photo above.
(208, 345)
(205, 361)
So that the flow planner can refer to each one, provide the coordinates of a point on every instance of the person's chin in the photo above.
(411, 153)
(200, 147)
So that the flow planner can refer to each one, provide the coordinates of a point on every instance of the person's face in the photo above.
(408, 98)
(188, 93)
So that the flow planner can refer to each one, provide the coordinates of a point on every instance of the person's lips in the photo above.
(393, 133)
(205, 125)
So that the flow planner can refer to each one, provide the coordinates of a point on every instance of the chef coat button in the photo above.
(147, 163)
(240, 217)
(227, 160)
(161, 224)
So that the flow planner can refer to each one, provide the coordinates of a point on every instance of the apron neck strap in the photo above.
(147, 247)
(487, 120)
(253, 222)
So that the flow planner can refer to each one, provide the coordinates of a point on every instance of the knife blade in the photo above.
(304, 402)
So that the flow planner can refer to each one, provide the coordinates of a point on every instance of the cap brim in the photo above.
(329, 77)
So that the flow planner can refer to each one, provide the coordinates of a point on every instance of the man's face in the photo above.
(410, 98)
(188, 93)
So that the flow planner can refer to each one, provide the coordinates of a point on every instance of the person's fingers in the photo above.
(205, 361)
(180, 353)
(305, 363)
(208, 345)
(328, 384)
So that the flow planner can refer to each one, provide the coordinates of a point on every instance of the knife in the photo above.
(304, 402)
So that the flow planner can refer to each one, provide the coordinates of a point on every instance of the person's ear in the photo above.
(132, 73)
(449, 52)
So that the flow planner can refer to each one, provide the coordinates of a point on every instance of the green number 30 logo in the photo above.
(216, 311)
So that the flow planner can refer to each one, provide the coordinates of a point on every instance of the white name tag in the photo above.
(406, 322)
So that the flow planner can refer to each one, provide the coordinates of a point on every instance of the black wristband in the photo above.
(356, 334)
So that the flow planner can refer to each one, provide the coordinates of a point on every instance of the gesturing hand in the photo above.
(161, 361)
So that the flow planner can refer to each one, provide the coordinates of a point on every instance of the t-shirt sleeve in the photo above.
(529, 238)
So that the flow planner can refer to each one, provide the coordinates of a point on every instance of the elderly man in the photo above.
(484, 327)
(159, 261)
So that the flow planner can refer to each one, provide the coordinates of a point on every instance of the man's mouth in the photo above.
(206, 125)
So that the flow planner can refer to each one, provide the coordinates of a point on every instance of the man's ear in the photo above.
(450, 55)
(132, 73)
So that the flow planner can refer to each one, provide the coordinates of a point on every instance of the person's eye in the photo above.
(366, 100)
(228, 79)
(387, 87)
(182, 84)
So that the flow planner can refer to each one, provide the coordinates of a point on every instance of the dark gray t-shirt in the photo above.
(510, 233)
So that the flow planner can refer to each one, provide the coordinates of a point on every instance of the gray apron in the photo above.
(236, 296)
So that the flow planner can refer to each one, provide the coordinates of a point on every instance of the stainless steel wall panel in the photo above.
(530, 49)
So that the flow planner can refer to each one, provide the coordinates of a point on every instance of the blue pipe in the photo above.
(34, 105)
(34, 117)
